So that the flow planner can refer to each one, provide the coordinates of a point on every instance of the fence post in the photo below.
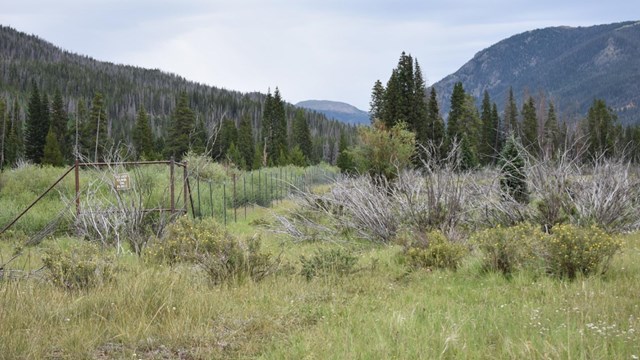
(224, 201)
(77, 173)
(185, 180)
(210, 199)
(244, 192)
(235, 215)
(199, 203)
(172, 180)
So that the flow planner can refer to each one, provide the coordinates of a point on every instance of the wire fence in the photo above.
(228, 200)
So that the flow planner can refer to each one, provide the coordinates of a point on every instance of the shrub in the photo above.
(82, 265)
(572, 250)
(432, 250)
(327, 262)
(507, 249)
(208, 245)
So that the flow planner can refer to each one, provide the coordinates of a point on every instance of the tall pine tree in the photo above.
(182, 125)
(456, 113)
(530, 127)
(302, 134)
(274, 127)
(435, 123)
(377, 102)
(601, 126)
(37, 126)
(245, 142)
(142, 136)
(511, 116)
(59, 120)
(488, 131)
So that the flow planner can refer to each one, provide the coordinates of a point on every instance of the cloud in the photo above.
(331, 49)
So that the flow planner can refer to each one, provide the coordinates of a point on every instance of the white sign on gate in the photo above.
(123, 181)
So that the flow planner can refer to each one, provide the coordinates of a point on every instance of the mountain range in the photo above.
(570, 66)
(337, 110)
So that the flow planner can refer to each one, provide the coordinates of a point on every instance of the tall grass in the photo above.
(380, 311)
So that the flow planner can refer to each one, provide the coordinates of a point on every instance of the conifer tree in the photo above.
(488, 131)
(456, 112)
(302, 134)
(435, 123)
(513, 182)
(511, 116)
(345, 161)
(297, 157)
(499, 136)
(37, 126)
(530, 127)
(551, 131)
(52, 154)
(418, 115)
(600, 127)
(182, 124)
(235, 157)
(228, 134)
(142, 136)
(59, 120)
(377, 101)
(274, 127)
(245, 142)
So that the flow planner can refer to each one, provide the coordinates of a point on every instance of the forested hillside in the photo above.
(26, 61)
(570, 66)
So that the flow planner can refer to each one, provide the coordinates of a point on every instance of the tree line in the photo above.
(49, 135)
(483, 131)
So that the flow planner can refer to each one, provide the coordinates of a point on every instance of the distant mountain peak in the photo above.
(337, 110)
(570, 66)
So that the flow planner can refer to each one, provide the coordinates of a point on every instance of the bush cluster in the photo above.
(325, 262)
(571, 250)
(80, 266)
(207, 244)
(431, 250)
(567, 251)
(508, 249)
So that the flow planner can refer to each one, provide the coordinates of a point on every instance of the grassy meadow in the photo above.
(382, 309)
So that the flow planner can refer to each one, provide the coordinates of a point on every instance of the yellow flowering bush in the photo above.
(573, 250)
(508, 249)
(82, 265)
(432, 250)
(207, 244)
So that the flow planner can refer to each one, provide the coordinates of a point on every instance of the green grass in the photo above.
(382, 311)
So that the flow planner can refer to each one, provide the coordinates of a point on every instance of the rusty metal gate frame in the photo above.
(76, 168)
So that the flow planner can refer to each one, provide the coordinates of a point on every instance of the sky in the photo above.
(320, 49)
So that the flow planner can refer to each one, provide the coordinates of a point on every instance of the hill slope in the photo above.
(572, 66)
(337, 110)
(25, 58)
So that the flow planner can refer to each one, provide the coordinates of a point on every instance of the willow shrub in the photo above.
(509, 249)
(207, 244)
(431, 250)
(80, 265)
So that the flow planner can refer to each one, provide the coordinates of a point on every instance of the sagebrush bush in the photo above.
(431, 250)
(573, 250)
(81, 265)
(207, 244)
(508, 249)
(325, 262)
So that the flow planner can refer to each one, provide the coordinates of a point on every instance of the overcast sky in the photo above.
(321, 49)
